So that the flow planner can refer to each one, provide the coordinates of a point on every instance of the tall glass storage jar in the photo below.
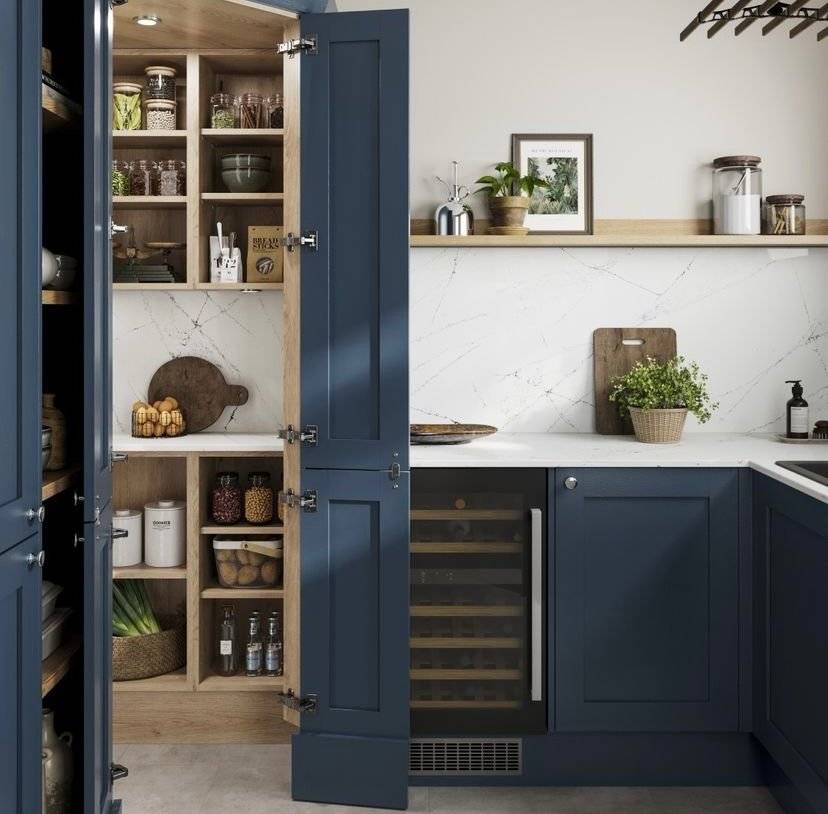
(223, 111)
(126, 106)
(737, 195)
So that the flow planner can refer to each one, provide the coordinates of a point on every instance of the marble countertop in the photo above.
(760, 452)
(229, 442)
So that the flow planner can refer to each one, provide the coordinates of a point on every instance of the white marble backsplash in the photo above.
(240, 333)
(504, 336)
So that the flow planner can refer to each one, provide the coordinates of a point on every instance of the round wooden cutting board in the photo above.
(200, 389)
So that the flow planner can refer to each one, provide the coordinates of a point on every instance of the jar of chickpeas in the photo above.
(258, 498)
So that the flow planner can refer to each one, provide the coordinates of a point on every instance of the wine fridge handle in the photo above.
(536, 663)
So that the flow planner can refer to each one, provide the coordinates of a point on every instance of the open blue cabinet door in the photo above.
(97, 466)
(20, 542)
(352, 747)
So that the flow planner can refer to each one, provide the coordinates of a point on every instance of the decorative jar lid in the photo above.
(788, 199)
(736, 161)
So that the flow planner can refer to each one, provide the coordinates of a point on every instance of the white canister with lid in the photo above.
(127, 550)
(164, 534)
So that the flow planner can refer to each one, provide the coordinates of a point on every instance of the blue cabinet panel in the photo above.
(791, 606)
(20, 587)
(354, 298)
(646, 576)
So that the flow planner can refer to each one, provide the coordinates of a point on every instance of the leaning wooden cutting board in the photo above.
(200, 389)
(615, 352)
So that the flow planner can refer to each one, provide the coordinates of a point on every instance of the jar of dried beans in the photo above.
(120, 178)
(275, 111)
(159, 82)
(258, 498)
(160, 115)
(250, 111)
(226, 499)
(143, 178)
(172, 178)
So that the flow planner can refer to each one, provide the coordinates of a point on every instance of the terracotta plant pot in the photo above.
(508, 214)
(658, 426)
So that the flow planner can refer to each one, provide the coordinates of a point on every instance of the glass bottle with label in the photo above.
(273, 646)
(253, 653)
(227, 660)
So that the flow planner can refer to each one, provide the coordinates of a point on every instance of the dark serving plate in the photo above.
(449, 433)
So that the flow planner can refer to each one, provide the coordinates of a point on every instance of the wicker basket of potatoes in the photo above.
(161, 419)
(244, 563)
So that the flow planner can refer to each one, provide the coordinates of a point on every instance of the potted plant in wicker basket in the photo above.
(142, 645)
(507, 203)
(658, 395)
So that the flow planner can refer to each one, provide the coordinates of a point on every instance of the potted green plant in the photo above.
(658, 395)
(509, 195)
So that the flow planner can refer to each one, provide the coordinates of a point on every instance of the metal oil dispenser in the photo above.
(454, 217)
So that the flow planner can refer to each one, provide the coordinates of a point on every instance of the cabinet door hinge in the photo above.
(307, 703)
(118, 772)
(308, 240)
(307, 501)
(308, 435)
(301, 45)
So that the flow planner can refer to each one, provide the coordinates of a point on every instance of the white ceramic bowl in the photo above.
(48, 267)
(66, 269)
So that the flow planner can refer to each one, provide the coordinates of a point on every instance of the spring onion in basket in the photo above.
(132, 613)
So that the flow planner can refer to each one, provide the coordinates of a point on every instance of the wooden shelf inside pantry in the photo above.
(54, 668)
(466, 610)
(58, 110)
(242, 136)
(151, 286)
(60, 480)
(149, 201)
(465, 704)
(241, 683)
(149, 572)
(48, 297)
(466, 548)
(243, 198)
(466, 514)
(128, 139)
(249, 287)
(464, 643)
(169, 682)
(243, 529)
(216, 592)
(464, 674)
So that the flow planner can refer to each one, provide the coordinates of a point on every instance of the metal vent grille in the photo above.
(478, 756)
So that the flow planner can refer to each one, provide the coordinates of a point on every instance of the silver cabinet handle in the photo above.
(36, 514)
(571, 483)
(536, 666)
(38, 560)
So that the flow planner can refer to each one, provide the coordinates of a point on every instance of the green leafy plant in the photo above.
(132, 613)
(509, 181)
(654, 385)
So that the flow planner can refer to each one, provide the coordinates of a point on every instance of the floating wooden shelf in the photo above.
(244, 136)
(170, 682)
(58, 481)
(466, 610)
(626, 233)
(58, 110)
(241, 683)
(466, 548)
(149, 201)
(460, 674)
(464, 643)
(48, 297)
(150, 287)
(216, 592)
(148, 572)
(466, 514)
(243, 198)
(127, 139)
(251, 287)
(243, 529)
(57, 665)
(465, 704)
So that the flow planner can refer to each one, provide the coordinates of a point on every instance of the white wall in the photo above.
(660, 110)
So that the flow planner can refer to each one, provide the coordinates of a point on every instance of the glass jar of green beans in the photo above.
(120, 178)
(126, 106)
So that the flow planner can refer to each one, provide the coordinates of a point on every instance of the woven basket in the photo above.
(658, 426)
(155, 654)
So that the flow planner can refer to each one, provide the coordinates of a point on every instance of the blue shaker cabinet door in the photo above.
(354, 642)
(354, 289)
(646, 600)
(97, 367)
(20, 679)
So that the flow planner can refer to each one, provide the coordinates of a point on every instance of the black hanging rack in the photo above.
(746, 15)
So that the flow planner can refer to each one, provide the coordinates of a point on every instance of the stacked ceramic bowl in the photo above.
(244, 172)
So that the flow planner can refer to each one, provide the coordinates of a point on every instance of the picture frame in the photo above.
(566, 208)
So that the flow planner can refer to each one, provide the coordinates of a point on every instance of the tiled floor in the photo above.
(256, 780)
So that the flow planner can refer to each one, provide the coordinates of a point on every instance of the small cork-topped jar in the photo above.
(785, 214)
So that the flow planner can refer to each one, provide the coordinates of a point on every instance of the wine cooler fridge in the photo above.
(478, 588)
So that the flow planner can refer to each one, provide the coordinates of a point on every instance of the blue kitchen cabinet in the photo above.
(645, 609)
(791, 642)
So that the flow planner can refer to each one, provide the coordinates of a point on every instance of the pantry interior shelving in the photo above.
(58, 110)
(57, 481)
(50, 297)
(56, 666)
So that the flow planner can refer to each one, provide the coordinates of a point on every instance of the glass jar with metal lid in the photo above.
(223, 111)
(737, 195)
(126, 106)
(226, 499)
(785, 214)
(258, 498)
(159, 82)
(250, 111)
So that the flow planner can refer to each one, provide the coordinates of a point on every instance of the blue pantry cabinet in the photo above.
(353, 740)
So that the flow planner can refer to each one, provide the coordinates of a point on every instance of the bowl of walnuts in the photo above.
(161, 419)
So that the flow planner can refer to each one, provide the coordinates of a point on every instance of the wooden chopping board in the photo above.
(616, 350)
(200, 389)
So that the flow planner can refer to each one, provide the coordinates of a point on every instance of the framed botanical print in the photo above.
(564, 204)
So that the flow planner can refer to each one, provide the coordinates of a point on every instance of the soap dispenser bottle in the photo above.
(797, 422)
